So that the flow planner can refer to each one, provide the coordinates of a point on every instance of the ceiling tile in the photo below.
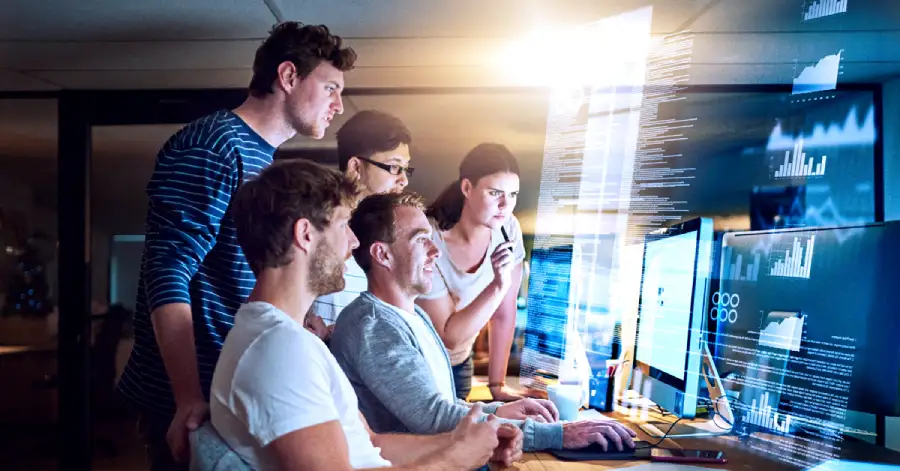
(147, 79)
(472, 18)
(116, 20)
(787, 16)
(11, 80)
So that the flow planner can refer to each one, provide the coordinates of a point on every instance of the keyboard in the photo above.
(594, 452)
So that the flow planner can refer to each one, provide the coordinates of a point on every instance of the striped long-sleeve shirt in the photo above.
(191, 253)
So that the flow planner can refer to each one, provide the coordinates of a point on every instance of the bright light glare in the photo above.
(565, 57)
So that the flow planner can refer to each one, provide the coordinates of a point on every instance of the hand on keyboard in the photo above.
(608, 434)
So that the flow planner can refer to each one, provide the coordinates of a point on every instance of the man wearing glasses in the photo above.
(373, 149)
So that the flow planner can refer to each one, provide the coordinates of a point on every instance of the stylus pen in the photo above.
(505, 236)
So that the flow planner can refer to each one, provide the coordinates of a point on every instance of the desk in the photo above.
(23, 368)
(741, 456)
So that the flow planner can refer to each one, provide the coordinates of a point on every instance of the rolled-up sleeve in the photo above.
(188, 196)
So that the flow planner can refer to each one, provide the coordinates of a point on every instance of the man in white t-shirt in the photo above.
(373, 150)
(278, 397)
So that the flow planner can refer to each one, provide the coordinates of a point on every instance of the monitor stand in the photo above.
(723, 418)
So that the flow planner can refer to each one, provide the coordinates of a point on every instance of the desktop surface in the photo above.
(765, 452)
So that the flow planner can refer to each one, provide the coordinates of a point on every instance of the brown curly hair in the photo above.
(305, 46)
(266, 208)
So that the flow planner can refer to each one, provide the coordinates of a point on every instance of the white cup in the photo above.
(567, 398)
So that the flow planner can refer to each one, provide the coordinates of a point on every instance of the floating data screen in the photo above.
(812, 320)
(783, 161)
(665, 312)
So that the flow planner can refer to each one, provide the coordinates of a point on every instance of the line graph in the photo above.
(820, 77)
(783, 330)
(833, 135)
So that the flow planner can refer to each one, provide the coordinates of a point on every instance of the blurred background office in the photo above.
(782, 114)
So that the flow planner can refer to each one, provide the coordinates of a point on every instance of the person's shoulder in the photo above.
(366, 314)
(212, 134)
(359, 312)
(273, 332)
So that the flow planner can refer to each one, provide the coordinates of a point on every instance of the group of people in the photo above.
(322, 319)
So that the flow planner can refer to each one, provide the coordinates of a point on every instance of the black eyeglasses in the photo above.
(392, 169)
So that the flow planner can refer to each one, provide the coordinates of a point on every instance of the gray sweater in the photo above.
(382, 357)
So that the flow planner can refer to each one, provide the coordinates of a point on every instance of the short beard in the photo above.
(416, 286)
(305, 129)
(326, 273)
(419, 288)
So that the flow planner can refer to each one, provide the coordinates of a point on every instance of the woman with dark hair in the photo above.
(477, 278)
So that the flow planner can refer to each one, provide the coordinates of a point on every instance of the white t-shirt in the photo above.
(274, 377)
(329, 306)
(432, 350)
(465, 287)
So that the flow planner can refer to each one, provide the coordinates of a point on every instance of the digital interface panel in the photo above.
(625, 156)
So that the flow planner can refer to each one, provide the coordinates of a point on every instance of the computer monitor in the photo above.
(548, 313)
(808, 324)
(670, 341)
(569, 334)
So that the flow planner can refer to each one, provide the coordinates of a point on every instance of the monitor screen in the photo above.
(807, 326)
(665, 312)
(548, 312)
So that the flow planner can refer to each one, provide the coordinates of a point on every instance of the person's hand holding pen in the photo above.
(502, 260)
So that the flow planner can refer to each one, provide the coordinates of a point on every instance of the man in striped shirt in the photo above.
(194, 275)
(373, 149)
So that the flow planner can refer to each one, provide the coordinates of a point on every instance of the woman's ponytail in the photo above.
(447, 208)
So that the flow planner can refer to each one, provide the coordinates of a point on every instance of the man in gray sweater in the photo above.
(393, 356)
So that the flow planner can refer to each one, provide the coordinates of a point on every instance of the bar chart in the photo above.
(796, 164)
(764, 415)
(733, 268)
(795, 263)
(820, 77)
(820, 8)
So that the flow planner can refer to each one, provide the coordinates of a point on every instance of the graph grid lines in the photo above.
(795, 264)
(822, 8)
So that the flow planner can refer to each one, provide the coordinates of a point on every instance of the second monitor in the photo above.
(670, 345)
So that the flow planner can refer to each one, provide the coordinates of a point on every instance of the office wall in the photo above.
(15, 195)
(891, 127)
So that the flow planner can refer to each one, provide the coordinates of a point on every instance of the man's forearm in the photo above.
(405, 449)
(174, 328)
